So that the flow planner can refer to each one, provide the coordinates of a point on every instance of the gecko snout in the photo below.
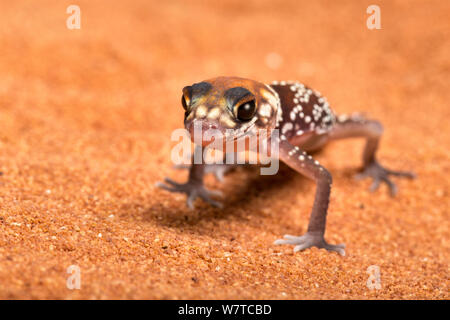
(203, 132)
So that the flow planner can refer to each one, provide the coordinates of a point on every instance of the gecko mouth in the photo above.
(199, 128)
(245, 130)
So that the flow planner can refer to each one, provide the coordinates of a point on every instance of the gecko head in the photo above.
(230, 106)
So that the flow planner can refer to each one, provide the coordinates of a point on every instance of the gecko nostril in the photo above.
(212, 126)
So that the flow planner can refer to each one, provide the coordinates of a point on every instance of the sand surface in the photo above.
(85, 123)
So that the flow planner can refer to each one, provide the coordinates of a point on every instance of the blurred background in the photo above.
(85, 122)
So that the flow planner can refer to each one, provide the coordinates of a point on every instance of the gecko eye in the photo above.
(183, 102)
(186, 98)
(246, 110)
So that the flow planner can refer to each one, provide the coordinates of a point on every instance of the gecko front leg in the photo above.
(194, 187)
(218, 170)
(306, 165)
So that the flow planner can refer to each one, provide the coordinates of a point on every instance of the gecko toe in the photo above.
(165, 187)
(207, 195)
(392, 186)
(173, 183)
(215, 193)
(214, 203)
(339, 248)
(375, 185)
(308, 240)
(190, 200)
(290, 239)
(301, 247)
(379, 174)
(404, 174)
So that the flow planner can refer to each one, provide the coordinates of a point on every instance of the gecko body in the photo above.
(305, 123)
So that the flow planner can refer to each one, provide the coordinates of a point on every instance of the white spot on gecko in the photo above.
(292, 115)
(265, 110)
(287, 126)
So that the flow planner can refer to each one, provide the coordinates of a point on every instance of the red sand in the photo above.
(86, 117)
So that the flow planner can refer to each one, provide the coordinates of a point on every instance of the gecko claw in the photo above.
(193, 191)
(310, 239)
(380, 174)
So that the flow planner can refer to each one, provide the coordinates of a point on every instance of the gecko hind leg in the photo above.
(372, 130)
(380, 174)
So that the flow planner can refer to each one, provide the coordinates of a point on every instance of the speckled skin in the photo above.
(305, 123)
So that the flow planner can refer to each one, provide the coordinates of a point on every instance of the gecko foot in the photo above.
(193, 191)
(381, 174)
(218, 170)
(310, 239)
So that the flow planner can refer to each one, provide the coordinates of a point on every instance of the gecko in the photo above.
(305, 123)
